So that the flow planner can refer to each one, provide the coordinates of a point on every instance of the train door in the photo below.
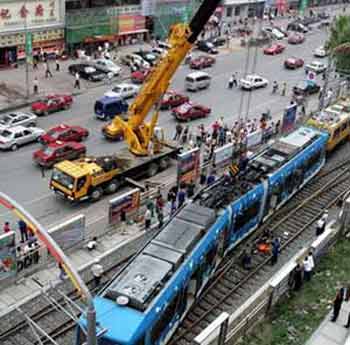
(223, 243)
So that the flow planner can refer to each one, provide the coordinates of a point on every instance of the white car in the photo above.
(12, 138)
(107, 66)
(18, 119)
(159, 51)
(253, 81)
(275, 33)
(316, 66)
(320, 52)
(134, 59)
(123, 90)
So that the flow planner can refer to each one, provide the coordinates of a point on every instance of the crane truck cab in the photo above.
(107, 107)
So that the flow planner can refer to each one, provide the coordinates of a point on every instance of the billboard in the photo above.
(223, 155)
(8, 265)
(69, 233)
(188, 166)
(129, 202)
(148, 7)
(289, 118)
(131, 23)
(17, 15)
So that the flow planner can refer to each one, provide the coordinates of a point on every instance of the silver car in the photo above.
(18, 119)
(124, 90)
(12, 138)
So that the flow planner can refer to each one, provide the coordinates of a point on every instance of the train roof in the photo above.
(283, 149)
(145, 276)
(332, 116)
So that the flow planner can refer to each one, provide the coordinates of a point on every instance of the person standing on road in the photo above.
(230, 82)
(57, 64)
(23, 230)
(35, 86)
(284, 89)
(47, 70)
(298, 278)
(181, 197)
(235, 82)
(97, 271)
(77, 81)
(178, 132)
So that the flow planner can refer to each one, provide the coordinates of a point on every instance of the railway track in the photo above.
(231, 284)
(56, 323)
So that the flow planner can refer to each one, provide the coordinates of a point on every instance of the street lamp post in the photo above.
(26, 49)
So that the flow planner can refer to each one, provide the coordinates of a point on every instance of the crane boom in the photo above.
(137, 133)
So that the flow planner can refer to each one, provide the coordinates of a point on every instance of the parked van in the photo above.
(197, 80)
(108, 107)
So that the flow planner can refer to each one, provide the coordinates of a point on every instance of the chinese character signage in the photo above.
(8, 266)
(128, 202)
(188, 166)
(130, 23)
(19, 15)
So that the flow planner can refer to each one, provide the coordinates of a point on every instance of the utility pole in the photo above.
(325, 85)
(26, 49)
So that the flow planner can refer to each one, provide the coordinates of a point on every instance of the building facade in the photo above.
(37, 24)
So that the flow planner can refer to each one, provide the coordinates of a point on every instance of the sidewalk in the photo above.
(332, 333)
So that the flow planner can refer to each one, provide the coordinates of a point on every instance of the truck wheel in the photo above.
(152, 169)
(164, 163)
(96, 194)
(113, 186)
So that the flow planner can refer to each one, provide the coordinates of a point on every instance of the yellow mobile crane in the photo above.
(90, 177)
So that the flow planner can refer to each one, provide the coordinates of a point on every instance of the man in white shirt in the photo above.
(97, 271)
(309, 265)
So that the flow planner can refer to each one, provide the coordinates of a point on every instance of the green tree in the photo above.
(338, 44)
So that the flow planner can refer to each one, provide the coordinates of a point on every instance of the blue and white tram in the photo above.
(144, 304)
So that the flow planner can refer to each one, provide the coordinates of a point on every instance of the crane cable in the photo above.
(245, 74)
(255, 61)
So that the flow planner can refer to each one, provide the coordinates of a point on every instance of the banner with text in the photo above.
(31, 262)
(223, 155)
(289, 118)
(188, 166)
(128, 202)
(69, 233)
(8, 267)
(254, 138)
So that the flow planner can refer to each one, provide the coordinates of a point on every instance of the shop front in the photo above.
(43, 19)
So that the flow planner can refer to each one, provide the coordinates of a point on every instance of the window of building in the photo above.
(237, 11)
(229, 11)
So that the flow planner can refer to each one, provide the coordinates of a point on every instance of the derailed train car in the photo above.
(146, 301)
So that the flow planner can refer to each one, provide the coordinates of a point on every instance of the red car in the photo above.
(52, 103)
(138, 77)
(202, 61)
(58, 151)
(274, 49)
(64, 133)
(293, 63)
(173, 99)
(296, 38)
(190, 111)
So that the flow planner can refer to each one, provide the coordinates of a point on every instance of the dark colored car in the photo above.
(297, 26)
(58, 151)
(64, 133)
(293, 63)
(207, 46)
(218, 41)
(202, 61)
(87, 72)
(189, 111)
(138, 77)
(306, 88)
(173, 99)
(51, 104)
(147, 56)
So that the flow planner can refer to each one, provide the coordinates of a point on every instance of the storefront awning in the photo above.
(132, 32)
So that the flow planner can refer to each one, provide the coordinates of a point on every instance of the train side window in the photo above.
(313, 160)
(167, 316)
(247, 214)
(344, 126)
